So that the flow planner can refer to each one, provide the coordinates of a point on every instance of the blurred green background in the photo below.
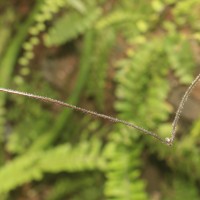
(130, 59)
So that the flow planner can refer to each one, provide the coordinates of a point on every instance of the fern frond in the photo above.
(181, 58)
(64, 158)
(141, 78)
(70, 26)
(46, 11)
(123, 173)
(114, 18)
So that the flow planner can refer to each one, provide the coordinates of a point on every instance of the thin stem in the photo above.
(180, 108)
(168, 141)
(115, 120)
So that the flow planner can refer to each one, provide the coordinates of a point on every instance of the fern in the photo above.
(96, 86)
(150, 87)
(186, 152)
(153, 89)
(82, 186)
(70, 26)
(86, 156)
(30, 111)
(179, 54)
(183, 189)
(128, 18)
(86, 184)
(79, 19)
(123, 173)
(116, 17)
(8, 62)
(148, 69)
(181, 8)
(47, 9)
(53, 133)
(142, 88)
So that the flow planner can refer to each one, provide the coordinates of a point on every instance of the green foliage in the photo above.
(142, 46)
(128, 17)
(183, 189)
(179, 55)
(73, 187)
(46, 11)
(181, 9)
(123, 172)
(64, 158)
(70, 26)
(186, 151)
(152, 89)
(8, 61)
(31, 111)
(7, 16)
(141, 78)
(100, 68)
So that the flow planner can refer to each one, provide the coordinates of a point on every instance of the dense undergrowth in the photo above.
(123, 58)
